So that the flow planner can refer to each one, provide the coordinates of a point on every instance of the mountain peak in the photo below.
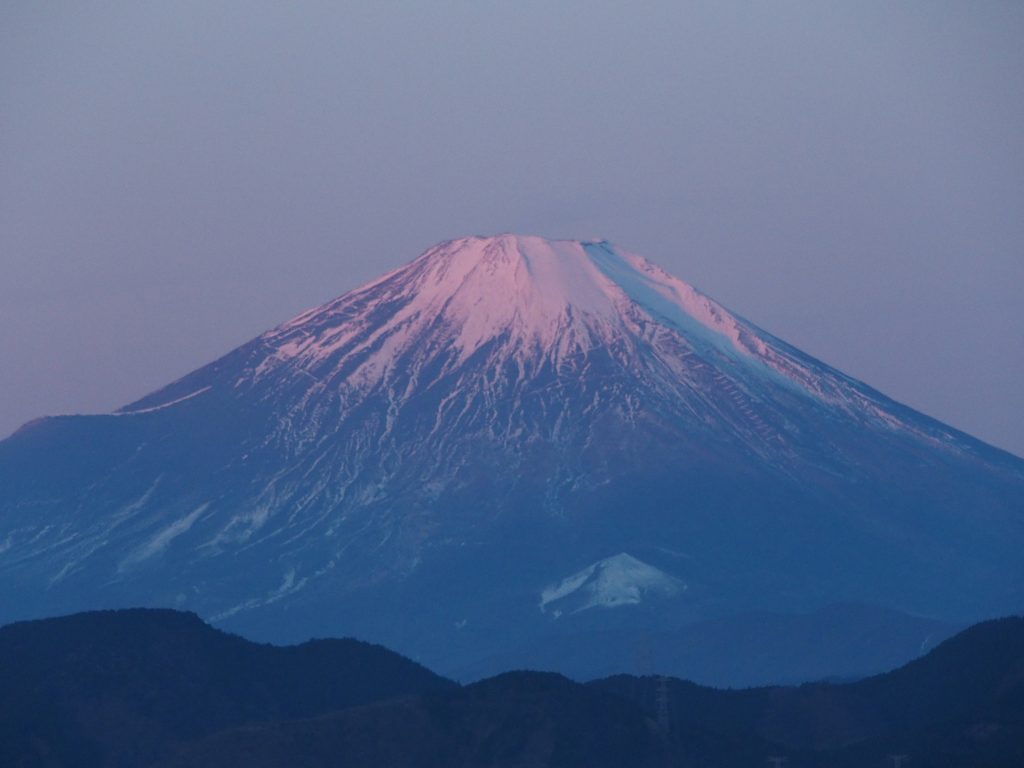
(503, 312)
(527, 245)
(498, 413)
(534, 296)
(532, 289)
(506, 267)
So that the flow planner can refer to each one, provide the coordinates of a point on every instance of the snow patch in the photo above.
(609, 583)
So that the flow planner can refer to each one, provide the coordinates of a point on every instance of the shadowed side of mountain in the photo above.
(117, 688)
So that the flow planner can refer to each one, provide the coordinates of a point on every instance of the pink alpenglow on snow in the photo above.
(529, 300)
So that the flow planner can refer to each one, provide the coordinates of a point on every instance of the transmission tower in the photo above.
(661, 702)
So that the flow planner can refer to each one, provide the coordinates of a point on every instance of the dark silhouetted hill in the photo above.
(961, 704)
(117, 688)
(516, 719)
(839, 642)
(138, 688)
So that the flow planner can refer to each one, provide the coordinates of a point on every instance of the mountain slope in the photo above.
(417, 461)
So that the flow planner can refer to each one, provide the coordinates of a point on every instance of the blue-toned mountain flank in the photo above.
(506, 440)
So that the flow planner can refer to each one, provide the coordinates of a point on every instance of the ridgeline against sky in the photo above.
(178, 177)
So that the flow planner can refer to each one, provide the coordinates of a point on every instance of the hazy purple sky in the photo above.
(177, 177)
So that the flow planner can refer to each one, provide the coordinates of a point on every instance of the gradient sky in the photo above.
(177, 177)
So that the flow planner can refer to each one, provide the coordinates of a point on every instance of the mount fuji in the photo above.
(506, 440)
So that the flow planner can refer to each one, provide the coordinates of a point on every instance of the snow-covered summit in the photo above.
(493, 316)
(533, 290)
(609, 583)
(536, 297)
